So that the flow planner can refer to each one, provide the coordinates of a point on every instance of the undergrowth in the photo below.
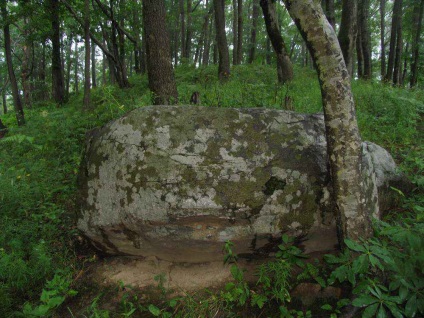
(39, 255)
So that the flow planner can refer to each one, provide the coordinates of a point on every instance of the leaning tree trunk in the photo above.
(20, 117)
(158, 47)
(347, 32)
(417, 24)
(58, 86)
(284, 65)
(221, 39)
(342, 134)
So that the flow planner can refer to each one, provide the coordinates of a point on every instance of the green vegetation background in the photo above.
(39, 256)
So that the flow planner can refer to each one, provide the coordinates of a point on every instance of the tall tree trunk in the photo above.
(235, 32)
(182, 28)
(364, 35)
(359, 53)
(398, 52)
(86, 100)
(58, 87)
(76, 68)
(93, 65)
(68, 65)
(255, 14)
(221, 40)
(396, 21)
(330, 12)
(239, 31)
(417, 25)
(342, 134)
(208, 32)
(3, 96)
(347, 32)
(203, 39)
(27, 48)
(104, 81)
(189, 32)
(20, 116)
(284, 65)
(382, 36)
(405, 65)
(159, 64)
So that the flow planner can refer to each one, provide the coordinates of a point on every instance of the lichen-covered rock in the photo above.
(176, 182)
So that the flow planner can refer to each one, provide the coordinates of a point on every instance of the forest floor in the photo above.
(47, 268)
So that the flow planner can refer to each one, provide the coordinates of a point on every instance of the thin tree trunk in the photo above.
(235, 32)
(58, 87)
(221, 39)
(347, 32)
(208, 32)
(27, 48)
(239, 31)
(189, 33)
(86, 100)
(284, 65)
(255, 14)
(183, 28)
(330, 12)
(382, 36)
(417, 25)
(68, 65)
(159, 64)
(364, 35)
(93, 65)
(359, 53)
(20, 116)
(398, 53)
(342, 134)
(396, 20)
(3, 95)
(405, 65)
(104, 81)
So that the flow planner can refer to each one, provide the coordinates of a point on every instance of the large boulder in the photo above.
(176, 182)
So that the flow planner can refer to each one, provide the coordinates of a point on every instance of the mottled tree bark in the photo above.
(158, 49)
(347, 32)
(252, 48)
(221, 39)
(417, 25)
(87, 83)
(20, 116)
(284, 65)
(58, 87)
(342, 134)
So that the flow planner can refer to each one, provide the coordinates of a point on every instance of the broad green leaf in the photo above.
(55, 301)
(370, 311)
(354, 246)
(327, 307)
(381, 312)
(364, 301)
(394, 310)
(411, 306)
(155, 311)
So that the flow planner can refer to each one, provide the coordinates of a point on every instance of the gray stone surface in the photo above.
(176, 182)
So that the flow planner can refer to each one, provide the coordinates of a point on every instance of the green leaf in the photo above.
(327, 307)
(411, 306)
(364, 301)
(355, 246)
(360, 264)
(395, 310)
(155, 311)
(381, 313)
(173, 303)
(370, 311)
(55, 301)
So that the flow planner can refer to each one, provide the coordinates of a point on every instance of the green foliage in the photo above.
(386, 272)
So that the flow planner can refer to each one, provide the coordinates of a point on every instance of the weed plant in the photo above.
(40, 161)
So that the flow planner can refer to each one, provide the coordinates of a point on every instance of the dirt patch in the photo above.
(185, 277)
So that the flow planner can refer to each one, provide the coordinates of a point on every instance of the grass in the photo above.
(39, 165)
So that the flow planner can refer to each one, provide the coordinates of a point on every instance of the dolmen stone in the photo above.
(177, 182)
